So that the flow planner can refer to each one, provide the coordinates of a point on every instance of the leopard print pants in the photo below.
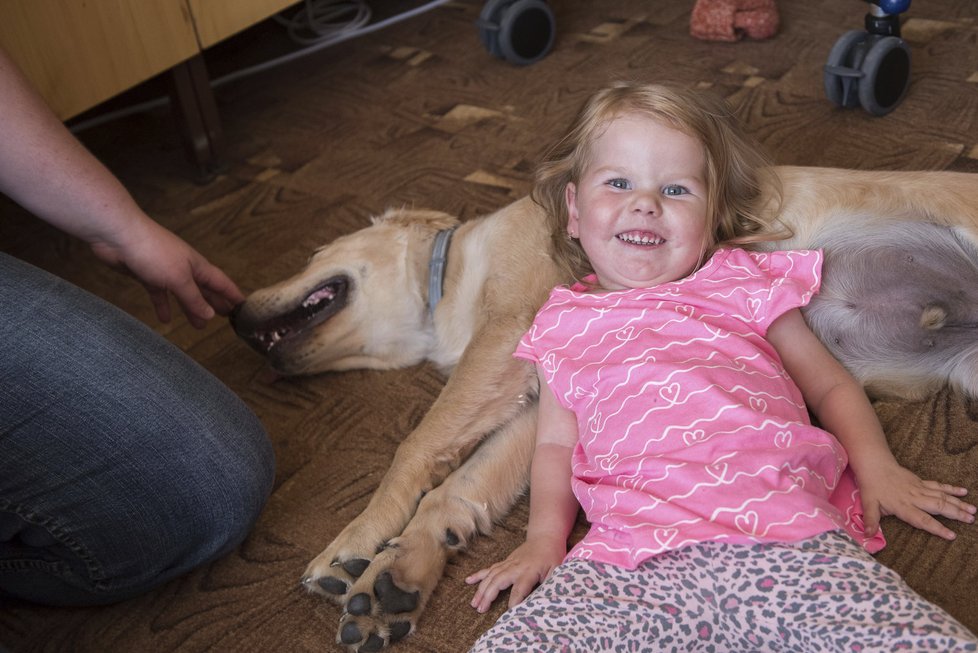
(822, 594)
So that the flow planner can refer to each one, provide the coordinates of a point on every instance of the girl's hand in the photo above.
(523, 570)
(895, 490)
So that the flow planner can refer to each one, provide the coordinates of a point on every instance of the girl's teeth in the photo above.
(641, 240)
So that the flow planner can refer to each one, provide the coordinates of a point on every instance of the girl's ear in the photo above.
(570, 198)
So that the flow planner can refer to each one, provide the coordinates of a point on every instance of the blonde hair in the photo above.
(736, 167)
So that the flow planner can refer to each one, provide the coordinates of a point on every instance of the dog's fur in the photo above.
(899, 306)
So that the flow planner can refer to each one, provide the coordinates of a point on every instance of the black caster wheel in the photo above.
(869, 71)
(519, 31)
(841, 78)
(887, 68)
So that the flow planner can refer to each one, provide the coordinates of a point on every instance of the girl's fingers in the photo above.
(491, 581)
(477, 576)
(947, 504)
(871, 519)
(927, 523)
(520, 591)
(946, 488)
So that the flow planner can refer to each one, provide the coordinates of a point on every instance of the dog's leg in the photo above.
(390, 595)
(482, 394)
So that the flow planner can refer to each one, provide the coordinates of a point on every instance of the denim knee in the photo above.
(145, 524)
(123, 463)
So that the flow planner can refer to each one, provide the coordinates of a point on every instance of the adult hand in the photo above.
(51, 174)
(167, 265)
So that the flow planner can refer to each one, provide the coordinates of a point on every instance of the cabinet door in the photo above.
(218, 20)
(81, 53)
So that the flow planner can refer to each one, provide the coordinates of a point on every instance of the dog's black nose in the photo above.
(233, 316)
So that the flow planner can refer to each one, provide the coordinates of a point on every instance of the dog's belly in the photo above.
(897, 301)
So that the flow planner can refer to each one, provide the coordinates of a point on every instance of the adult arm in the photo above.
(45, 169)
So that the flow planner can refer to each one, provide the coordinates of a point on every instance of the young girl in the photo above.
(676, 380)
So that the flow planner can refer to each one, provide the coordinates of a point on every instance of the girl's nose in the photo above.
(647, 203)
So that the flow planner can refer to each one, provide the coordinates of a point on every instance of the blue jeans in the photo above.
(123, 463)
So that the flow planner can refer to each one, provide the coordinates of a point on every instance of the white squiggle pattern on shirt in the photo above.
(689, 428)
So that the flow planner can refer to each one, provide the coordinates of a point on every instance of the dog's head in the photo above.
(360, 302)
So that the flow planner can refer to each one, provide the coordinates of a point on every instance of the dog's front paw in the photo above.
(380, 610)
(385, 584)
(334, 571)
(384, 603)
(365, 635)
(388, 598)
(377, 610)
(337, 568)
(333, 577)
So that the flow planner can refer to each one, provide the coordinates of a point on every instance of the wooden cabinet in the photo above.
(79, 54)
(215, 20)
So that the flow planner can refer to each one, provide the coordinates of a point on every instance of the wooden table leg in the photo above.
(197, 118)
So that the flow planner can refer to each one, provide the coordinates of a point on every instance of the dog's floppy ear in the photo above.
(435, 220)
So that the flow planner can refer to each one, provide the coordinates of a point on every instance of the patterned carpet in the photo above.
(420, 114)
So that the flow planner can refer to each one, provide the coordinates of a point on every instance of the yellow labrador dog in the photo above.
(899, 306)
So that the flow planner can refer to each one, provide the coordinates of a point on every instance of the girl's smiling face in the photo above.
(640, 205)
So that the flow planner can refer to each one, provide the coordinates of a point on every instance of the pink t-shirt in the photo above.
(689, 428)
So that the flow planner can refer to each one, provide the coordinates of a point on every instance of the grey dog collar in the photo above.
(436, 267)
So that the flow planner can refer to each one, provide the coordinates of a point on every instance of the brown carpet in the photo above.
(419, 114)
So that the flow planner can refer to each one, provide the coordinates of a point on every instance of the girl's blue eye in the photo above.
(674, 189)
(621, 184)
